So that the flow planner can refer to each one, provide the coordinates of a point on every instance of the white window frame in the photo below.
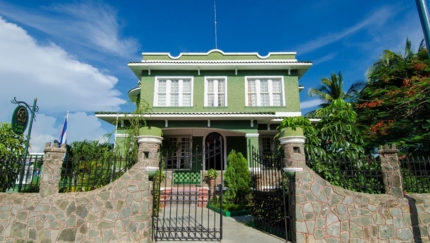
(168, 85)
(215, 91)
(258, 92)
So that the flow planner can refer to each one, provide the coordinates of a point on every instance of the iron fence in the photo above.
(10, 173)
(360, 175)
(416, 174)
(89, 173)
(270, 196)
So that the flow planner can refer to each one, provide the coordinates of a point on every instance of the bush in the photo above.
(237, 179)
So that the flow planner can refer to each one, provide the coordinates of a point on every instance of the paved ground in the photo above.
(234, 228)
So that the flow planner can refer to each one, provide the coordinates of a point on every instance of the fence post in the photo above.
(149, 141)
(391, 170)
(51, 169)
(292, 142)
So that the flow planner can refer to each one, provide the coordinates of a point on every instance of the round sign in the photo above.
(20, 119)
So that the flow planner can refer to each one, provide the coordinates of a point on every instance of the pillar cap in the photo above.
(292, 139)
(292, 169)
(149, 139)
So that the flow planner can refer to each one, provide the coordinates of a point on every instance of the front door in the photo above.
(215, 160)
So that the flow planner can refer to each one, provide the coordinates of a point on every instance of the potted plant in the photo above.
(211, 176)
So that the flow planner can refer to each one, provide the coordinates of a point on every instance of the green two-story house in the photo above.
(198, 98)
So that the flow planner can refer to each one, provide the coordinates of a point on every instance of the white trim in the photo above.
(292, 139)
(166, 123)
(168, 90)
(292, 169)
(252, 135)
(151, 168)
(215, 91)
(288, 114)
(216, 50)
(121, 135)
(270, 91)
(149, 139)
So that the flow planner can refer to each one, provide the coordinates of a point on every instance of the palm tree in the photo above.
(389, 59)
(332, 89)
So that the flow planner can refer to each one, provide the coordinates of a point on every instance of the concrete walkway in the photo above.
(235, 230)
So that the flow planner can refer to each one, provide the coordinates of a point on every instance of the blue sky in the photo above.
(73, 55)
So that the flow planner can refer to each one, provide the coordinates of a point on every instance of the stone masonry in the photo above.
(391, 171)
(324, 213)
(118, 212)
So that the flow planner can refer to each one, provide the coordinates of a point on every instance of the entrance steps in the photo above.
(184, 195)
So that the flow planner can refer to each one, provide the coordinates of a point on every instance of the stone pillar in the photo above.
(292, 142)
(148, 159)
(391, 170)
(51, 169)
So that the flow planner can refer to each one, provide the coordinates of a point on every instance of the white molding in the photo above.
(292, 139)
(288, 114)
(121, 135)
(216, 50)
(149, 139)
(252, 135)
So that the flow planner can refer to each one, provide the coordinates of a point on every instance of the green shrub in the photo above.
(237, 179)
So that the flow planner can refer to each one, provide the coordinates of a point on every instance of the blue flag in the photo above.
(63, 135)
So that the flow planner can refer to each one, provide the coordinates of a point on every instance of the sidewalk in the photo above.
(234, 230)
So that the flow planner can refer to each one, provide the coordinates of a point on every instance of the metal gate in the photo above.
(181, 196)
(271, 197)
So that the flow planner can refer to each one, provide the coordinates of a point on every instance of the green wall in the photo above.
(235, 91)
(197, 146)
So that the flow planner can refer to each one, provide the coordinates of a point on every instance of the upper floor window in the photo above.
(173, 91)
(215, 91)
(266, 91)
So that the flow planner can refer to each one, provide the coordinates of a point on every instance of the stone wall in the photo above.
(119, 212)
(321, 212)
(326, 213)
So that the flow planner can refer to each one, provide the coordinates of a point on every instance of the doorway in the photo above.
(215, 160)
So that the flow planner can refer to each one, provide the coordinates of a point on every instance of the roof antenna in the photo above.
(216, 41)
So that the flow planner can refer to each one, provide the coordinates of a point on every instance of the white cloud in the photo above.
(60, 83)
(58, 80)
(90, 24)
(325, 58)
(377, 18)
(309, 104)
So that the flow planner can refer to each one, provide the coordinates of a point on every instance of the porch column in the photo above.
(391, 170)
(251, 141)
(149, 141)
